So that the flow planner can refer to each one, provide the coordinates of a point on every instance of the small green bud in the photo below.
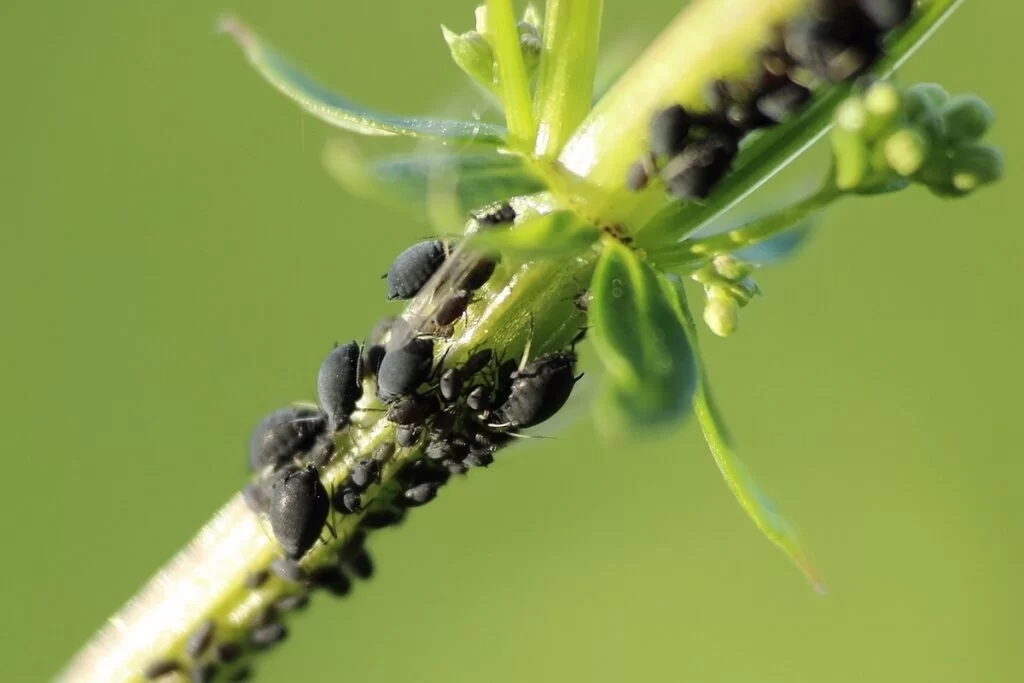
(473, 54)
(730, 267)
(922, 98)
(850, 158)
(906, 151)
(721, 314)
(851, 115)
(976, 165)
(882, 103)
(967, 118)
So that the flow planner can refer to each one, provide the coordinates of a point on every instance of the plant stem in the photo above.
(513, 83)
(568, 62)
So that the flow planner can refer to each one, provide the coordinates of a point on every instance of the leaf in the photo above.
(342, 113)
(640, 340)
(758, 506)
(554, 235)
(420, 180)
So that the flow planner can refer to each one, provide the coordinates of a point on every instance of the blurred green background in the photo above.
(175, 263)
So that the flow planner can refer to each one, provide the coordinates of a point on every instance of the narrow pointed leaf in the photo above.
(421, 181)
(340, 112)
(758, 506)
(639, 339)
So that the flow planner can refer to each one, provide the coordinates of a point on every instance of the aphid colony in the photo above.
(457, 415)
(691, 151)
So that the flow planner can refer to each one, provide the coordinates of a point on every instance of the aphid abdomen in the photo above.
(338, 385)
(413, 268)
(298, 511)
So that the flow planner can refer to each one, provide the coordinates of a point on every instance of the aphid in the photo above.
(450, 384)
(408, 436)
(361, 564)
(442, 424)
(413, 268)
(503, 382)
(455, 466)
(364, 473)
(371, 359)
(477, 361)
(200, 639)
(438, 450)
(478, 275)
(404, 369)
(227, 652)
(539, 390)
(348, 501)
(695, 172)
(495, 214)
(453, 307)
(835, 49)
(669, 131)
(160, 668)
(283, 435)
(268, 635)
(380, 519)
(255, 579)
(331, 579)
(421, 494)
(421, 472)
(782, 103)
(887, 14)
(292, 603)
(298, 511)
(287, 570)
(478, 399)
(338, 384)
(412, 410)
(482, 458)
(582, 300)
(384, 452)
(204, 673)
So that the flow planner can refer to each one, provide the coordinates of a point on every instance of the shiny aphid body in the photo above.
(283, 435)
(339, 385)
(298, 511)
(404, 369)
(414, 267)
(538, 390)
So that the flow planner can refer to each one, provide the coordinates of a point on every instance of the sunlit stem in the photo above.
(568, 62)
(513, 84)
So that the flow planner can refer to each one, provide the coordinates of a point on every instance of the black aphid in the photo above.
(477, 361)
(348, 501)
(782, 103)
(414, 267)
(285, 434)
(408, 436)
(200, 639)
(539, 390)
(696, 171)
(331, 579)
(669, 131)
(268, 635)
(364, 473)
(478, 399)
(381, 519)
(371, 359)
(412, 410)
(360, 563)
(404, 369)
(298, 511)
(638, 175)
(287, 570)
(227, 652)
(455, 466)
(450, 384)
(452, 308)
(292, 603)
(495, 214)
(160, 668)
(254, 580)
(479, 274)
(420, 494)
(204, 673)
(887, 14)
(835, 48)
(439, 450)
(338, 384)
(481, 458)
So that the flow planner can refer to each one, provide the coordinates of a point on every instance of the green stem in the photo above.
(513, 83)
(690, 254)
(568, 62)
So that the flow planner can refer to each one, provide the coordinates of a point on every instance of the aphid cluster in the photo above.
(454, 414)
(691, 151)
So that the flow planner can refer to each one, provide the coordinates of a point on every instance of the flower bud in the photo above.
(882, 103)
(967, 118)
(530, 44)
(730, 267)
(906, 151)
(923, 98)
(721, 313)
(473, 54)
(976, 165)
(850, 158)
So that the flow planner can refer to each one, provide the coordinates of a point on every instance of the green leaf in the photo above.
(640, 339)
(513, 83)
(554, 235)
(338, 111)
(758, 506)
(422, 182)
